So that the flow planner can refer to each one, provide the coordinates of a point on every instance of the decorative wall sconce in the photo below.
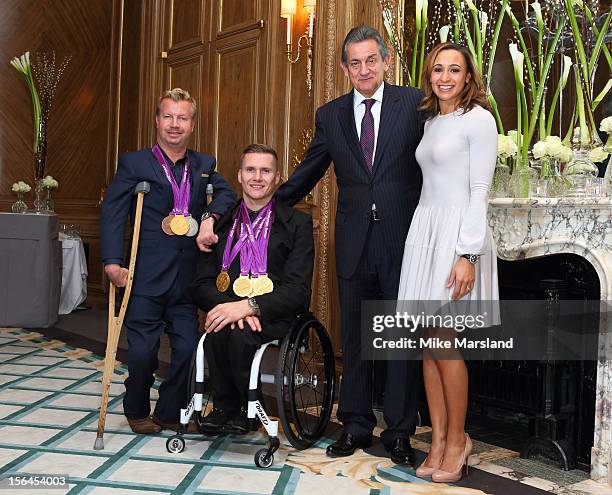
(288, 10)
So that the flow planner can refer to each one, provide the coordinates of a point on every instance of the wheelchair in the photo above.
(305, 383)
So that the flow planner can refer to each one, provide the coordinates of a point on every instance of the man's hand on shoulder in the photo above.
(228, 314)
(116, 274)
(207, 236)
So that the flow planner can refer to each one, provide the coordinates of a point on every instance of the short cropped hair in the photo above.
(178, 94)
(258, 148)
(363, 33)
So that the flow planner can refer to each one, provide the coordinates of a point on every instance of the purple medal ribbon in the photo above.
(258, 243)
(180, 195)
(229, 253)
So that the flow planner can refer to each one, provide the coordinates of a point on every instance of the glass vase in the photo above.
(39, 202)
(519, 182)
(585, 135)
(501, 180)
(550, 171)
(19, 206)
(608, 146)
(579, 170)
(48, 206)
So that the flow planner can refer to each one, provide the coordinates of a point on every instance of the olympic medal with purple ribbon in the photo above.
(262, 285)
(193, 227)
(242, 286)
(223, 281)
(165, 225)
(179, 225)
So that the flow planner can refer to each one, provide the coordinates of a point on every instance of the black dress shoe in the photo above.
(401, 452)
(346, 445)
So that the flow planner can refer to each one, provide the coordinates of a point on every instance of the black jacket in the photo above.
(290, 265)
(394, 184)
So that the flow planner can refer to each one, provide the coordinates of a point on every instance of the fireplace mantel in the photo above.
(531, 228)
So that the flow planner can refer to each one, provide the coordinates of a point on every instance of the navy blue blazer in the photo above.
(393, 184)
(161, 258)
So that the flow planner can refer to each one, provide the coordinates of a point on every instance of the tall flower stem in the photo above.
(596, 32)
(535, 111)
(490, 97)
(519, 35)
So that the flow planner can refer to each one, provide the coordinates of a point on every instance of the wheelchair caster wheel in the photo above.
(175, 445)
(262, 459)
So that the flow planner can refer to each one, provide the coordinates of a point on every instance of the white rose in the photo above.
(512, 147)
(513, 136)
(539, 149)
(566, 155)
(606, 125)
(598, 154)
(554, 146)
(21, 187)
(502, 146)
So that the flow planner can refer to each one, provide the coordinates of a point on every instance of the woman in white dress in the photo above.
(449, 251)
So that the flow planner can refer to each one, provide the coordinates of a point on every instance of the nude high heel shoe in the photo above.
(439, 476)
(425, 471)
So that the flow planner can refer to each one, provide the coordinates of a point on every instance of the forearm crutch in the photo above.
(116, 322)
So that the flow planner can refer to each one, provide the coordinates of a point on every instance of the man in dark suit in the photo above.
(165, 261)
(237, 324)
(370, 134)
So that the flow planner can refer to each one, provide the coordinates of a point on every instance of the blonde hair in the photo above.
(472, 94)
(177, 94)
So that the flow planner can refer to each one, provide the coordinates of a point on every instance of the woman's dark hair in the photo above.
(472, 94)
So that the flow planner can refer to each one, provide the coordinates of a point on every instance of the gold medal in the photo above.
(223, 281)
(179, 225)
(262, 285)
(165, 225)
(242, 286)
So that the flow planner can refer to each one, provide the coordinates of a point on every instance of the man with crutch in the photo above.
(175, 223)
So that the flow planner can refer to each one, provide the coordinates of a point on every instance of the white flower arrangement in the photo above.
(506, 146)
(552, 147)
(606, 125)
(598, 154)
(21, 187)
(49, 182)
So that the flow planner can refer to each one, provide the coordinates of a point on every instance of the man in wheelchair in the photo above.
(252, 284)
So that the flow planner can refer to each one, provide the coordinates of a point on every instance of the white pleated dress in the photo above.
(457, 156)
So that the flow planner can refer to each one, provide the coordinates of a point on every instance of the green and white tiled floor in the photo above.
(49, 395)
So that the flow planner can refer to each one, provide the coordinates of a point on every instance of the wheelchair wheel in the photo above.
(206, 398)
(175, 444)
(305, 382)
(262, 459)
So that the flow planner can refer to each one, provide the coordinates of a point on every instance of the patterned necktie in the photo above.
(367, 132)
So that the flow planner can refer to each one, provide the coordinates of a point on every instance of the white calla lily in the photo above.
(484, 21)
(471, 5)
(517, 61)
(444, 30)
(537, 8)
(566, 66)
(418, 11)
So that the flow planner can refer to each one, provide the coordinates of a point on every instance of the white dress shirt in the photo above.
(359, 112)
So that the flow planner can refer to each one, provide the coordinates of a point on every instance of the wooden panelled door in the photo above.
(218, 52)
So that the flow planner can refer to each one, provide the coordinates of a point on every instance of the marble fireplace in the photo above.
(532, 228)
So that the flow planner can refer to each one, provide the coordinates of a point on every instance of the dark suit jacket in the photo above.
(290, 265)
(161, 258)
(394, 184)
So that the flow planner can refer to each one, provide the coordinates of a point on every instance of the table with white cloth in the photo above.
(74, 274)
